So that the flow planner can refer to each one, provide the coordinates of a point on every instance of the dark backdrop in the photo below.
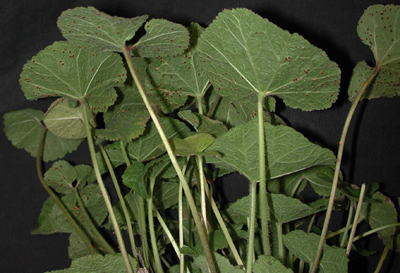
(371, 154)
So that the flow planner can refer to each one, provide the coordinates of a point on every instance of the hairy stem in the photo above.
(337, 169)
(104, 191)
(356, 217)
(263, 179)
(93, 228)
(252, 226)
(382, 259)
(56, 199)
(348, 224)
(200, 227)
(153, 239)
(121, 200)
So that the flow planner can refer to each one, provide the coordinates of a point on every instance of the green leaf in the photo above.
(234, 113)
(183, 74)
(97, 31)
(165, 194)
(24, 129)
(85, 175)
(304, 245)
(61, 177)
(109, 263)
(203, 124)
(133, 178)
(379, 29)
(290, 185)
(115, 155)
(192, 145)
(163, 38)
(62, 69)
(127, 118)
(67, 122)
(146, 146)
(380, 213)
(77, 247)
(222, 264)
(269, 264)
(287, 151)
(246, 55)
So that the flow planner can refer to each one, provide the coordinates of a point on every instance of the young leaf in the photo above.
(380, 213)
(184, 73)
(379, 29)
(133, 178)
(246, 55)
(127, 118)
(162, 39)
(109, 263)
(62, 69)
(146, 146)
(287, 151)
(203, 124)
(269, 264)
(97, 31)
(61, 177)
(193, 145)
(304, 245)
(223, 264)
(67, 122)
(24, 128)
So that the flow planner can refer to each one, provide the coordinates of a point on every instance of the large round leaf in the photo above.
(246, 55)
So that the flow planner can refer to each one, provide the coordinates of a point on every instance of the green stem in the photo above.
(167, 231)
(337, 169)
(356, 217)
(252, 226)
(383, 257)
(348, 224)
(121, 200)
(200, 227)
(56, 199)
(143, 232)
(281, 248)
(153, 239)
(224, 228)
(263, 182)
(96, 233)
(124, 154)
(365, 234)
(104, 191)
(203, 200)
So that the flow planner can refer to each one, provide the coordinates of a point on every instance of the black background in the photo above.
(371, 154)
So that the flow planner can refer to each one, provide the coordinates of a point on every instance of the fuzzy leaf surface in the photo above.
(246, 55)
(146, 146)
(65, 70)
(61, 176)
(65, 121)
(162, 39)
(183, 73)
(203, 124)
(24, 129)
(127, 118)
(269, 264)
(379, 29)
(109, 263)
(133, 178)
(304, 245)
(287, 151)
(98, 31)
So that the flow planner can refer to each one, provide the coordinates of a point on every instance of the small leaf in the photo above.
(380, 213)
(67, 122)
(287, 151)
(127, 118)
(203, 124)
(24, 129)
(162, 39)
(192, 145)
(305, 245)
(379, 29)
(222, 263)
(269, 264)
(62, 69)
(246, 55)
(109, 263)
(133, 178)
(97, 31)
(146, 146)
(61, 177)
